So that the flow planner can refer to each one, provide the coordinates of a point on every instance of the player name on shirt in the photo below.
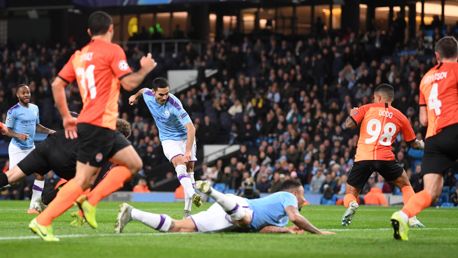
(435, 77)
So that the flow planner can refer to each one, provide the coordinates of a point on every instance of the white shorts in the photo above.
(175, 148)
(215, 219)
(17, 154)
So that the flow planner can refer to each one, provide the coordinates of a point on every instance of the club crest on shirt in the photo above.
(35, 113)
(98, 157)
(167, 113)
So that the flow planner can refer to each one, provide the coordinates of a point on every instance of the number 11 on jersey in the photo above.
(433, 101)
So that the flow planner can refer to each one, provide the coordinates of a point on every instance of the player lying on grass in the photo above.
(59, 154)
(266, 215)
(380, 123)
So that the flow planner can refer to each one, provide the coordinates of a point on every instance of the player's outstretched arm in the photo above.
(42, 129)
(302, 222)
(134, 98)
(58, 91)
(274, 229)
(133, 80)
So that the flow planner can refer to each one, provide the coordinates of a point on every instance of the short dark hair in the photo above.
(447, 47)
(99, 22)
(289, 185)
(385, 89)
(123, 127)
(160, 82)
(21, 85)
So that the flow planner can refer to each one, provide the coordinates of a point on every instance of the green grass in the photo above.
(369, 235)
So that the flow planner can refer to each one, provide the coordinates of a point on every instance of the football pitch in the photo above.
(369, 235)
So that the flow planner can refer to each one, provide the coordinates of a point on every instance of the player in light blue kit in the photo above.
(266, 215)
(177, 135)
(23, 121)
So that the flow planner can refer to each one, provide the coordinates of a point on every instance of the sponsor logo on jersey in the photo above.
(98, 157)
(184, 115)
(123, 65)
(8, 120)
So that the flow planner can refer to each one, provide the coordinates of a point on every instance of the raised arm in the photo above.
(134, 98)
(133, 80)
(302, 222)
(191, 134)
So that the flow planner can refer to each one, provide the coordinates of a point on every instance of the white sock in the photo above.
(191, 176)
(187, 201)
(159, 222)
(184, 179)
(36, 191)
(229, 205)
(404, 216)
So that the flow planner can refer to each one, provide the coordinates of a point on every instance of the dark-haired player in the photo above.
(177, 135)
(380, 123)
(438, 111)
(265, 215)
(23, 121)
(56, 153)
(99, 68)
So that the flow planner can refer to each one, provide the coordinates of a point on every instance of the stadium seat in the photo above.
(446, 189)
(325, 201)
(443, 198)
(308, 192)
(306, 187)
(229, 191)
(220, 187)
(453, 190)
(447, 205)
(456, 176)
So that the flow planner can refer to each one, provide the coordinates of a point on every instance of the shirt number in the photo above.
(388, 132)
(433, 101)
(89, 76)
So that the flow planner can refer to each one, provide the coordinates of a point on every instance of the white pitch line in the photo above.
(186, 233)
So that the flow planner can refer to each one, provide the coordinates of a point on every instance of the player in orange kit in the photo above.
(99, 68)
(438, 111)
(380, 123)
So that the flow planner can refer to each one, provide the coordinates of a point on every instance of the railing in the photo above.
(220, 153)
(201, 44)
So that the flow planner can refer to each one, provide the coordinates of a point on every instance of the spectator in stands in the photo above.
(342, 184)
(317, 181)
(384, 186)
(402, 161)
(329, 181)
(369, 184)
(454, 197)
(450, 180)
(264, 185)
(141, 186)
(275, 184)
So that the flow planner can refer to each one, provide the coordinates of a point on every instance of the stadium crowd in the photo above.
(283, 100)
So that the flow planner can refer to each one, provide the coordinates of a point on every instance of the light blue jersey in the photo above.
(270, 210)
(170, 118)
(23, 120)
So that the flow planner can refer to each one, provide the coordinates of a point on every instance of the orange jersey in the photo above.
(380, 123)
(439, 93)
(98, 67)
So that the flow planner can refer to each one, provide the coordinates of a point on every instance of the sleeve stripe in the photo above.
(120, 78)
(63, 79)
(353, 120)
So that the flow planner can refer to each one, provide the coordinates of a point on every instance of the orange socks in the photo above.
(407, 193)
(63, 201)
(417, 203)
(348, 199)
(110, 184)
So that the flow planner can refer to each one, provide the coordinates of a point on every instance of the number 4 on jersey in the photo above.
(433, 101)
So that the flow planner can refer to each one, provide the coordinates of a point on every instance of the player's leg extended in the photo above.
(37, 190)
(351, 193)
(185, 181)
(64, 200)
(159, 222)
(433, 184)
(407, 192)
(12, 176)
(229, 205)
(130, 164)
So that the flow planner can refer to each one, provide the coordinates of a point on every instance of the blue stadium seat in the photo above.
(229, 191)
(443, 198)
(447, 205)
(308, 192)
(306, 187)
(220, 187)
(397, 191)
(456, 176)
(325, 201)
(446, 189)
